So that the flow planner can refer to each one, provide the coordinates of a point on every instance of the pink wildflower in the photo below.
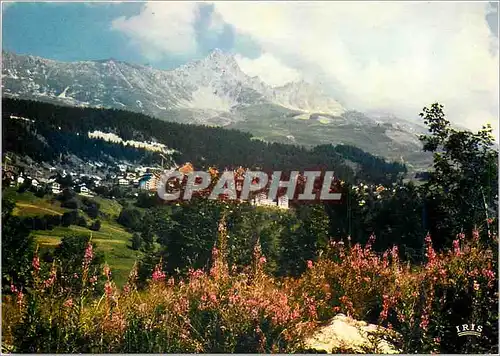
(424, 322)
(475, 235)
(20, 298)
(430, 253)
(214, 271)
(309, 264)
(395, 253)
(195, 274)
(262, 260)
(108, 289)
(36, 263)
(52, 278)
(488, 273)
(89, 254)
(385, 307)
(370, 242)
(213, 298)
(106, 271)
(456, 247)
(158, 274)
(68, 303)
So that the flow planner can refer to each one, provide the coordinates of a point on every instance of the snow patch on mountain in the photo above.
(150, 146)
(63, 94)
(303, 96)
(207, 97)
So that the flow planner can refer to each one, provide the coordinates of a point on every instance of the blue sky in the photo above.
(392, 57)
(83, 31)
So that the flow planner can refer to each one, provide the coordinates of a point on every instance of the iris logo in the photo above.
(469, 330)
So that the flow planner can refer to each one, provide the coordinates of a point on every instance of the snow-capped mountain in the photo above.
(209, 87)
(212, 91)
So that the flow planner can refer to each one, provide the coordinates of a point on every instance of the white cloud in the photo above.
(383, 56)
(269, 69)
(216, 24)
(162, 28)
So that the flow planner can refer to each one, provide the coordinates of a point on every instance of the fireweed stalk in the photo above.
(87, 260)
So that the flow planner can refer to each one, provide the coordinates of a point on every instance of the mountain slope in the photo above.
(211, 91)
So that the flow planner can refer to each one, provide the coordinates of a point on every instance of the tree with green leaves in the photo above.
(131, 218)
(17, 248)
(69, 255)
(136, 241)
(304, 235)
(95, 226)
(462, 189)
(193, 234)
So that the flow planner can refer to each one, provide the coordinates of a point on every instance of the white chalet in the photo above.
(262, 200)
(85, 191)
(283, 202)
(56, 188)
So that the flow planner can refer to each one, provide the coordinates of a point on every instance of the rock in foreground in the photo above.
(346, 335)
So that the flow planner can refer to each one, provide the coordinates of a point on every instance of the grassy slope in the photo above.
(277, 125)
(112, 238)
(27, 204)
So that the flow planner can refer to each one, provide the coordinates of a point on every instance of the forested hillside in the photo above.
(65, 131)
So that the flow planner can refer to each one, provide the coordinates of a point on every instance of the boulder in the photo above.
(343, 334)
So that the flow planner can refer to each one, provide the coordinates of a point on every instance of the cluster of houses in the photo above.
(140, 177)
(50, 183)
(262, 200)
(146, 178)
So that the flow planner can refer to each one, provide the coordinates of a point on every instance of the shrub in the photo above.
(130, 218)
(69, 218)
(136, 241)
(95, 226)
(40, 192)
(70, 204)
(90, 207)
(81, 221)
